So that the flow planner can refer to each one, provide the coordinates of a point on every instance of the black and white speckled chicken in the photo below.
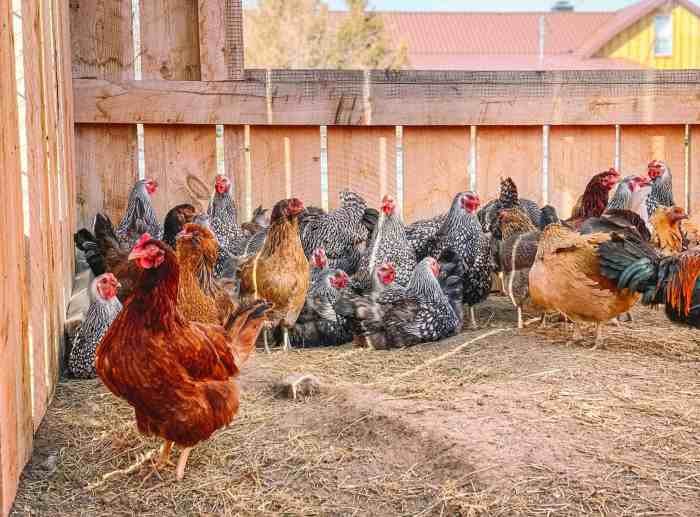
(223, 221)
(140, 217)
(319, 324)
(508, 198)
(462, 234)
(422, 232)
(662, 186)
(388, 243)
(104, 308)
(340, 232)
(419, 313)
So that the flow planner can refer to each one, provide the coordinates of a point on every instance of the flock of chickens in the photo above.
(177, 309)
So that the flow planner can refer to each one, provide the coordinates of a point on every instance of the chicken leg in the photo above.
(472, 318)
(267, 346)
(599, 340)
(164, 458)
(520, 318)
(182, 462)
(285, 339)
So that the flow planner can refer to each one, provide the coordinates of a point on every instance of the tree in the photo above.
(303, 34)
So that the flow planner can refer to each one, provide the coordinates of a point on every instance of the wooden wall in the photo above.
(36, 258)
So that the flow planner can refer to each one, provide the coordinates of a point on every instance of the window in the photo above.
(663, 28)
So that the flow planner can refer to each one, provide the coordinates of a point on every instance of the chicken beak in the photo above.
(136, 254)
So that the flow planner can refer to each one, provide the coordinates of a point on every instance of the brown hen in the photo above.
(668, 236)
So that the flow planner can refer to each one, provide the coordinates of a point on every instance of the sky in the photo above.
(480, 5)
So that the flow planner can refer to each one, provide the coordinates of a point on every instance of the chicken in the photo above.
(594, 200)
(259, 222)
(421, 233)
(668, 237)
(387, 244)
(176, 374)
(461, 233)
(223, 216)
(691, 233)
(419, 313)
(319, 324)
(175, 219)
(339, 232)
(103, 309)
(279, 272)
(662, 186)
(199, 297)
(566, 277)
(105, 254)
(672, 281)
(515, 253)
(140, 217)
(508, 198)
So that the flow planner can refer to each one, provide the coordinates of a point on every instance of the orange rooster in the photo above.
(176, 374)
(279, 272)
(667, 236)
(566, 277)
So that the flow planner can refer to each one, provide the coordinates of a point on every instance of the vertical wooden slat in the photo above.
(183, 161)
(353, 162)
(170, 40)
(234, 152)
(509, 151)
(436, 167)
(694, 184)
(15, 405)
(212, 40)
(641, 144)
(575, 155)
(268, 164)
(102, 39)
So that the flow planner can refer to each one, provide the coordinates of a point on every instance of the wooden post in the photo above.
(212, 40)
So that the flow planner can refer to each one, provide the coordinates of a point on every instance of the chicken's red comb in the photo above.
(143, 240)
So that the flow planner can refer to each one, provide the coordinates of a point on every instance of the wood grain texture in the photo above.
(509, 151)
(435, 168)
(694, 182)
(107, 164)
(212, 40)
(575, 155)
(354, 160)
(102, 39)
(267, 148)
(183, 161)
(170, 40)
(333, 103)
(234, 153)
(640, 145)
(15, 398)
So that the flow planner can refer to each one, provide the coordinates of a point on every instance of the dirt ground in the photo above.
(513, 423)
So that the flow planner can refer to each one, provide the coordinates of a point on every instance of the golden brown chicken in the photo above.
(279, 272)
(667, 236)
(176, 374)
(566, 277)
(199, 297)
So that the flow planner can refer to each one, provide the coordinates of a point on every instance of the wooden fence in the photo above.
(36, 256)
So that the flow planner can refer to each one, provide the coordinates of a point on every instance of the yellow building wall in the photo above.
(636, 43)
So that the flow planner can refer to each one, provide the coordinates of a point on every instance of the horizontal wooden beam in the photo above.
(340, 98)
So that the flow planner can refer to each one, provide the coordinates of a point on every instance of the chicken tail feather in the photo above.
(243, 327)
(86, 242)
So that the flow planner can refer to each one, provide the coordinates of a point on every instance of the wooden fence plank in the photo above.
(354, 162)
(435, 168)
(104, 184)
(575, 155)
(694, 177)
(170, 40)
(234, 159)
(183, 161)
(270, 183)
(102, 39)
(640, 145)
(509, 151)
(15, 399)
(212, 40)
(334, 102)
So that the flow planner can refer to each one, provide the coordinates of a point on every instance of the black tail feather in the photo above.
(86, 242)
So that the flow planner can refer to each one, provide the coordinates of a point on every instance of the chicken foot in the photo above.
(180, 473)
(599, 340)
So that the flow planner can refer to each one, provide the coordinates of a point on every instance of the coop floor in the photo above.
(517, 423)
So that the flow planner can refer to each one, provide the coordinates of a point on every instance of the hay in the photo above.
(491, 422)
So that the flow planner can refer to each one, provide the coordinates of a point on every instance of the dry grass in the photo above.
(514, 423)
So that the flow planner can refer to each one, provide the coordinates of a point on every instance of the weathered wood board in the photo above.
(234, 159)
(362, 160)
(577, 153)
(435, 168)
(694, 162)
(509, 151)
(183, 161)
